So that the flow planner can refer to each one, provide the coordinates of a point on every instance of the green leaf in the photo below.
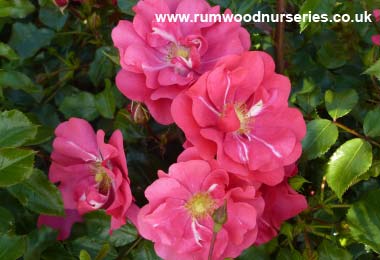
(92, 246)
(321, 135)
(364, 220)
(287, 254)
(315, 7)
(144, 251)
(52, 17)
(17, 80)
(27, 39)
(15, 165)
(81, 105)
(39, 195)
(15, 129)
(125, 6)
(348, 164)
(331, 57)
(7, 222)
(97, 224)
(374, 70)
(84, 255)
(11, 246)
(15, 8)
(262, 252)
(297, 181)
(105, 101)
(371, 123)
(7, 52)
(124, 235)
(101, 68)
(327, 250)
(38, 241)
(339, 104)
(309, 97)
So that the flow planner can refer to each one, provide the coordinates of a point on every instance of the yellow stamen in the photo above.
(200, 205)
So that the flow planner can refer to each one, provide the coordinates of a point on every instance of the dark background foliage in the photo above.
(61, 64)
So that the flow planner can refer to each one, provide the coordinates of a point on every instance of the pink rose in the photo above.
(376, 14)
(160, 59)
(376, 39)
(178, 217)
(281, 203)
(239, 112)
(91, 175)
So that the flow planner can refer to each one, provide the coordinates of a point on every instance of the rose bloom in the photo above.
(91, 175)
(161, 59)
(281, 204)
(178, 217)
(239, 112)
(281, 201)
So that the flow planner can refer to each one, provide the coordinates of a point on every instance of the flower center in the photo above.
(102, 178)
(244, 118)
(200, 205)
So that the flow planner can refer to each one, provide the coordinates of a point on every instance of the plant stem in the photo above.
(212, 245)
(353, 132)
(339, 206)
(279, 38)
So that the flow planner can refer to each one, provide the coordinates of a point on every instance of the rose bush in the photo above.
(265, 137)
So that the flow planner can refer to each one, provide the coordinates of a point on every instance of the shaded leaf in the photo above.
(124, 235)
(329, 251)
(38, 241)
(17, 80)
(145, 251)
(7, 52)
(7, 221)
(52, 17)
(371, 123)
(16, 165)
(321, 135)
(81, 105)
(347, 165)
(105, 102)
(27, 39)
(15, 129)
(339, 104)
(15, 8)
(39, 195)
(101, 68)
(364, 220)
(11, 246)
(374, 70)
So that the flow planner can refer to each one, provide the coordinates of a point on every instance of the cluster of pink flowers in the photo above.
(242, 139)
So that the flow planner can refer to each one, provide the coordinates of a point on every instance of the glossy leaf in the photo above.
(371, 123)
(16, 165)
(27, 39)
(339, 104)
(15, 129)
(327, 250)
(38, 241)
(7, 221)
(17, 80)
(15, 8)
(11, 246)
(321, 135)
(81, 105)
(347, 165)
(39, 195)
(7, 52)
(364, 220)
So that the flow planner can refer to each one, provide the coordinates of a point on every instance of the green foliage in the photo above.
(364, 220)
(339, 104)
(15, 165)
(349, 162)
(321, 135)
